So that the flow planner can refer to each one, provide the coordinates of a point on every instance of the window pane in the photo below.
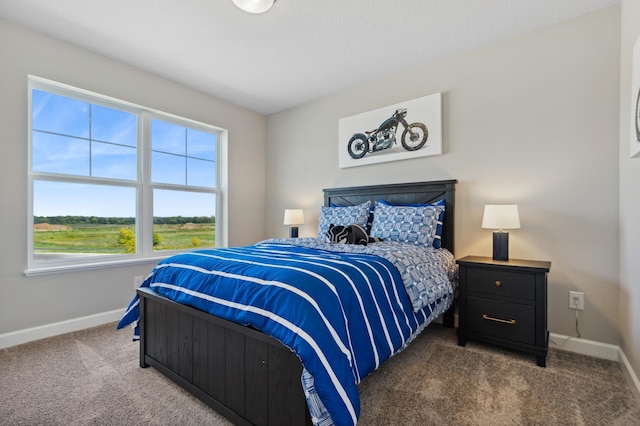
(59, 154)
(113, 161)
(80, 220)
(112, 125)
(167, 168)
(201, 144)
(61, 138)
(201, 173)
(183, 220)
(167, 137)
(182, 155)
(59, 114)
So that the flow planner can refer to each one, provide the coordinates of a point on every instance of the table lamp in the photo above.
(501, 217)
(293, 217)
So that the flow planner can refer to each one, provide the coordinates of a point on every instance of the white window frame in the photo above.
(144, 186)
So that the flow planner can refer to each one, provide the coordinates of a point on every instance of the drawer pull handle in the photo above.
(498, 283)
(488, 318)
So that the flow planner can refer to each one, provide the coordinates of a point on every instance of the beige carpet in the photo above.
(92, 377)
(436, 382)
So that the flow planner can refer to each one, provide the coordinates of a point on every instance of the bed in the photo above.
(246, 375)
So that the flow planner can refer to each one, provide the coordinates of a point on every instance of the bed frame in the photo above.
(247, 376)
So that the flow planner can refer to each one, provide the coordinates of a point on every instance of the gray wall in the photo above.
(532, 121)
(629, 300)
(34, 301)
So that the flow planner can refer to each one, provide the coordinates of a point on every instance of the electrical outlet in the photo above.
(576, 300)
(137, 281)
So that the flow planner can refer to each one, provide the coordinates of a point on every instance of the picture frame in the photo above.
(401, 131)
(635, 102)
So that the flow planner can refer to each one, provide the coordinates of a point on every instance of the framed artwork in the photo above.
(401, 131)
(635, 101)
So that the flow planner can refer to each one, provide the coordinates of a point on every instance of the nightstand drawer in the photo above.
(515, 285)
(505, 320)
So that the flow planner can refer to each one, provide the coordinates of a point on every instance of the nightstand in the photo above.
(504, 302)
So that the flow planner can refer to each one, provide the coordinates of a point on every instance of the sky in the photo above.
(62, 199)
(77, 138)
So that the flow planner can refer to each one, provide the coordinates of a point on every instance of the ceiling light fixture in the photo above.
(254, 6)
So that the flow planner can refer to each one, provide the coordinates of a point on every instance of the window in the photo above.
(116, 182)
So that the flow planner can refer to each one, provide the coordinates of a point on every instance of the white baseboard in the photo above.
(584, 346)
(632, 379)
(49, 330)
(598, 350)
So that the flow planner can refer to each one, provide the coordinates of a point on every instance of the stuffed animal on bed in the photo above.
(350, 234)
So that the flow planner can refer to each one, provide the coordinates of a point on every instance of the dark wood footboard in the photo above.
(243, 374)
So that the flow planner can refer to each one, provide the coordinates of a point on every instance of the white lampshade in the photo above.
(254, 6)
(501, 216)
(293, 217)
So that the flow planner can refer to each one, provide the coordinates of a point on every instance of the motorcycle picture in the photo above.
(413, 137)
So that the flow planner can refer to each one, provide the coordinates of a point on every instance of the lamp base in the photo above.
(293, 233)
(500, 246)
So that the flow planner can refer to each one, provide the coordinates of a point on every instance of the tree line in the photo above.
(96, 220)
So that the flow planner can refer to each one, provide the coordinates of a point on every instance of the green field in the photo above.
(103, 239)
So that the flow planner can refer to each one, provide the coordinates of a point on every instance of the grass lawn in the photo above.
(103, 239)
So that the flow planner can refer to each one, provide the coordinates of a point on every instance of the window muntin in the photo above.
(87, 158)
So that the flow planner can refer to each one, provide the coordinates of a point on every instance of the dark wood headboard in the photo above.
(402, 193)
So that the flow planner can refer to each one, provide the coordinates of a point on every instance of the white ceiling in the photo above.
(299, 51)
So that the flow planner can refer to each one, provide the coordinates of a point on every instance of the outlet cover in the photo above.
(576, 300)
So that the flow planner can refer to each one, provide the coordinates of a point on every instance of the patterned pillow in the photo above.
(342, 216)
(437, 241)
(370, 218)
(409, 224)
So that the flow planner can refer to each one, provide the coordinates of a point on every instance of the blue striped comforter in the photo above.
(342, 313)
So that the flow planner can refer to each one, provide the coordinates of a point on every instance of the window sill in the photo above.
(61, 269)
